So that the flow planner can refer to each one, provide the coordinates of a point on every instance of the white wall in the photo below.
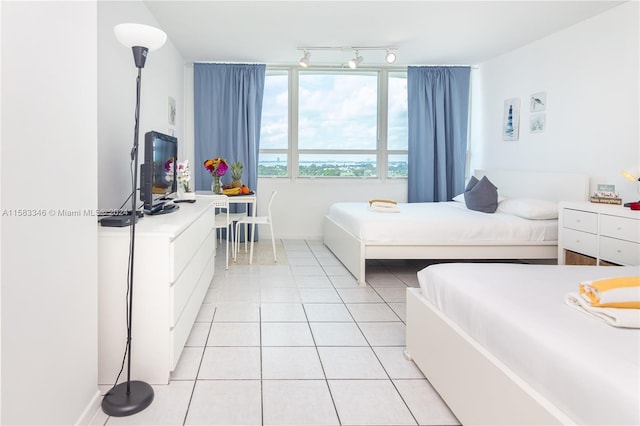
(49, 260)
(162, 77)
(590, 74)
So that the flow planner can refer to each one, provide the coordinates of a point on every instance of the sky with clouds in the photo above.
(336, 111)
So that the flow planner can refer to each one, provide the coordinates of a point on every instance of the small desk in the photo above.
(248, 200)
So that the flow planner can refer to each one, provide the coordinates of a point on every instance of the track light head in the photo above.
(390, 56)
(353, 63)
(304, 61)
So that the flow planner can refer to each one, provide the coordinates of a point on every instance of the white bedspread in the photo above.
(439, 222)
(588, 369)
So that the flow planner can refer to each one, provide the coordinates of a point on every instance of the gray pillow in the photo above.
(481, 195)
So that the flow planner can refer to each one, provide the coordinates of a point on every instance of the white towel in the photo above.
(386, 206)
(617, 317)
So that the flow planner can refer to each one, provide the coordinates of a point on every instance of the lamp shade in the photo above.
(629, 176)
(140, 35)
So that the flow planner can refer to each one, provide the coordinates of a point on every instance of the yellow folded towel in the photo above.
(386, 206)
(619, 292)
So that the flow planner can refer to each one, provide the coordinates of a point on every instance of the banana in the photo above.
(232, 191)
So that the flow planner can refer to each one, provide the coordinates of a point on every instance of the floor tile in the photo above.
(230, 362)
(425, 403)
(396, 364)
(188, 364)
(327, 312)
(286, 334)
(304, 261)
(385, 280)
(298, 402)
(234, 334)
(336, 271)
(199, 334)
(383, 403)
(337, 334)
(372, 312)
(205, 314)
(225, 402)
(313, 282)
(392, 294)
(280, 295)
(291, 363)
(242, 295)
(400, 308)
(384, 333)
(169, 406)
(237, 312)
(351, 363)
(282, 312)
(313, 270)
(359, 295)
(319, 295)
(344, 282)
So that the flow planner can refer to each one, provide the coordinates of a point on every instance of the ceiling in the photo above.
(425, 32)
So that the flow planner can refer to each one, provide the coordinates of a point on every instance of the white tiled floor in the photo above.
(298, 343)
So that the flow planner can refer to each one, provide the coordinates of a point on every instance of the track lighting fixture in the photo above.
(390, 56)
(304, 61)
(353, 63)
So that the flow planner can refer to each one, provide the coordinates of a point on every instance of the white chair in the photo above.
(223, 220)
(257, 220)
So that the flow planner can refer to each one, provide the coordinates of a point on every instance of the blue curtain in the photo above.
(438, 110)
(227, 114)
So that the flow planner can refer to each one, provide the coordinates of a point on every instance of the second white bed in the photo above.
(588, 369)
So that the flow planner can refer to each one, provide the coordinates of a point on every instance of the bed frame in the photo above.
(353, 252)
(476, 386)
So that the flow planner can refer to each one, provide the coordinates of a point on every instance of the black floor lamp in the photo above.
(131, 397)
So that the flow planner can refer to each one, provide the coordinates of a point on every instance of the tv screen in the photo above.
(158, 173)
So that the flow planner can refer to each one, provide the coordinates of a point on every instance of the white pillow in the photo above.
(529, 208)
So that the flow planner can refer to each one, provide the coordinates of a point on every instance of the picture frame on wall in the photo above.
(537, 122)
(511, 119)
(538, 102)
(172, 111)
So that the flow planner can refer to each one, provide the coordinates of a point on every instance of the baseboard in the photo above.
(89, 413)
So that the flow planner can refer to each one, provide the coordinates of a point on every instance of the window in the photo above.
(274, 130)
(338, 127)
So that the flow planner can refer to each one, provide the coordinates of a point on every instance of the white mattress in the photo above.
(588, 369)
(439, 222)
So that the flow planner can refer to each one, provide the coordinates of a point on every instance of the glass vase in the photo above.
(215, 185)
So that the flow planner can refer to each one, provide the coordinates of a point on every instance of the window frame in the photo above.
(293, 152)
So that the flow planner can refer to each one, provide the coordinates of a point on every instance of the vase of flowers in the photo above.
(217, 167)
(184, 177)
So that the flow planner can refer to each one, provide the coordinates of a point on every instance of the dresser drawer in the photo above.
(580, 221)
(580, 242)
(619, 251)
(622, 228)
(184, 247)
(181, 290)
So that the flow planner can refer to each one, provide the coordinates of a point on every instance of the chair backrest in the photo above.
(273, 195)
(220, 203)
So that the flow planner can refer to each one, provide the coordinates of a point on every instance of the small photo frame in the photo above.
(537, 122)
(511, 119)
(172, 111)
(538, 102)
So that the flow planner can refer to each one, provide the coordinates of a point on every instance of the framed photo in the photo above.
(538, 102)
(537, 122)
(511, 119)
(172, 111)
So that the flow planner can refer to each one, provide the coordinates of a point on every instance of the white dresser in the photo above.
(598, 234)
(174, 265)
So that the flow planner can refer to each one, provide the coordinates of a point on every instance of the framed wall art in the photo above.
(511, 119)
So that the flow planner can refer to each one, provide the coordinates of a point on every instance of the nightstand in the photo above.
(598, 234)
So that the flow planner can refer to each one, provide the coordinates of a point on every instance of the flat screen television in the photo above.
(158, 172)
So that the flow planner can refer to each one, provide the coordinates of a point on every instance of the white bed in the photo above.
(500, 345)
(397, 235)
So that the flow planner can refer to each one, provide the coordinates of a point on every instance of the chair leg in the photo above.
(253, 237)
(227, 250)
(273, 243)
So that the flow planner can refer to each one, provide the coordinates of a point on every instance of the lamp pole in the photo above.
(131, 397)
